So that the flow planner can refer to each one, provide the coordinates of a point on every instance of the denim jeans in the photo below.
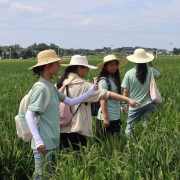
(43, 162)
(136, 115)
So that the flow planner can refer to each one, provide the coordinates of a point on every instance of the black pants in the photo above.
(72, 139)
(103, 132)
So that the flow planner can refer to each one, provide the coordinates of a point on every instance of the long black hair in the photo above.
(68, 70)
(141, 72)
(116, 76)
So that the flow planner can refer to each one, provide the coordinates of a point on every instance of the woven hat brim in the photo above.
(122, 62)
(89, 66)
(44, 63)
(149, 57)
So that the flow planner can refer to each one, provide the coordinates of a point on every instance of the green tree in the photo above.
(55, 48)
(0, 51)
(175, 51)
(42, 47)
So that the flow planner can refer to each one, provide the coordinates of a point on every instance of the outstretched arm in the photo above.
(81, 98)
(118, 97)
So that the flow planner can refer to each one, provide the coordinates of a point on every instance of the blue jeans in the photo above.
(136, 115)
(43, 162)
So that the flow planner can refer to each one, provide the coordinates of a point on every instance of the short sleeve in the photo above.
(37, 99)
(102, 84)
(156, 73)
(125, 82)
(60, 95)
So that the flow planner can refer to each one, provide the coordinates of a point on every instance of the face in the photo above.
(82, 71)
(112, 67)
(54, 68)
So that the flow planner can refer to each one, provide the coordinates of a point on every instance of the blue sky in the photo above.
(91, 24)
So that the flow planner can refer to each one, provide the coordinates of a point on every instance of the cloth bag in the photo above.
(154, 91)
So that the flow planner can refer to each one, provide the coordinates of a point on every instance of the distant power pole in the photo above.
(10, 53)
(171, 50)
(111, 48)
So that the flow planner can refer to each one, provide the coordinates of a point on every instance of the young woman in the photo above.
(80, 127)
(108, 118)
(45, 139)
(136, 84)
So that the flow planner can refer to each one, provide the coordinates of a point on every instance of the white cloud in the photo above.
(25, 8)
(87, 22)
(159, 37)
(3, 2)
(5, 26)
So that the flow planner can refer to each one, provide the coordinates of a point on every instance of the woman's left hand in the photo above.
(96, 86)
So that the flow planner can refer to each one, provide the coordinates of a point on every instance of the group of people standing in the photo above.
(48, 136)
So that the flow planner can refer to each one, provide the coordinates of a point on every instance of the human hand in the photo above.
(106, 122)
(96, 86)
(93, 89)
(150, 63)
(133, 103)
(41, 149)
(123, 109)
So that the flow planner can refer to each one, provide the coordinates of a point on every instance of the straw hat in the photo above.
(46, 57)
(109, 58)
(80, 61)
(140, 56)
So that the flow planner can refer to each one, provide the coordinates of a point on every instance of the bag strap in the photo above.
(107, 81)
(77, 109)
(68, 96)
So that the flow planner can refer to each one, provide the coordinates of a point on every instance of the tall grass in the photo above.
(152, 154)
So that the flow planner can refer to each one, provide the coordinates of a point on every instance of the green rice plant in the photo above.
(152, 154)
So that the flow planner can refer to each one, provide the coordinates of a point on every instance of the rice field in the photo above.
(153, 153)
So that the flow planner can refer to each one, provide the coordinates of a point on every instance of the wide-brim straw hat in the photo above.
(111, 57)
(140, 56)
(78, 60)
(46, 57)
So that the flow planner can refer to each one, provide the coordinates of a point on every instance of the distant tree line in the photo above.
(16, 51)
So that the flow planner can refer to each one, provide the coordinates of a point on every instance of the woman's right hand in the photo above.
(41, 149)
(133, 103)
(106, 122)
(150, 64)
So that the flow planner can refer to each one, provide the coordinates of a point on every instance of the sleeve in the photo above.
(80, 98)
(60, 95)
(125, 82)
(102, 84)
(37, 99)
(156, 73)
(102, 93)
(33, 128)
